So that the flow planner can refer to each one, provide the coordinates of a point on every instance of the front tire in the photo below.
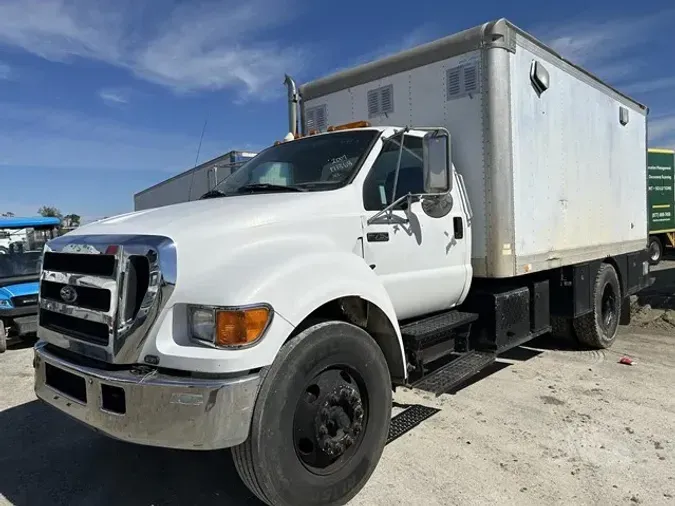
(598, 328)
(320, 421)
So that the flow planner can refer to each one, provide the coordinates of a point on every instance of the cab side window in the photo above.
(380, 182)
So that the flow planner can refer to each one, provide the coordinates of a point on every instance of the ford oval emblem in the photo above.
(68, 294)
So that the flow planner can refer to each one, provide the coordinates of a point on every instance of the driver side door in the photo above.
(422, 261)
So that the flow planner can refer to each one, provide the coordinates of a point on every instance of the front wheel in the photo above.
(320, 421)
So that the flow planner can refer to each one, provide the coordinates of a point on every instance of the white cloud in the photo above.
(662, 130)
(609, 47)
(415, 37)
(651, 86)
(5, 71)
(61, 139)
(197, 45)
(114, 96)
(614, 49)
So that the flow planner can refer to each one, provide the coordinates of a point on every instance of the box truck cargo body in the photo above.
(661, 192)
(544, 168)
(191, 184)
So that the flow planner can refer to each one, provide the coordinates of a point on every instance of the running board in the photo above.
(456, 372)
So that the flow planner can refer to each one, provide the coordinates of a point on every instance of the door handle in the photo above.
(458, 226)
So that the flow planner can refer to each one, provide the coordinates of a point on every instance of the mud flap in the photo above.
(625, 312)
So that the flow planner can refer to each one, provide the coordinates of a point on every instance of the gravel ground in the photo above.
(547, 424)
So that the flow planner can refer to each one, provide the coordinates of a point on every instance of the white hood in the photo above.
(214, 216)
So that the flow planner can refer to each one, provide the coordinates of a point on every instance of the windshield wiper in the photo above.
(212, 194)
(268, 186)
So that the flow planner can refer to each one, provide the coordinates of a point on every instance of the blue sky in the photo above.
(101, 99)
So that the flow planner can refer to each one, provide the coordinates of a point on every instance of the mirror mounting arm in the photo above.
(390, 207)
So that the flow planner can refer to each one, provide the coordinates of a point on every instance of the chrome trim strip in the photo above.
(74, 279)
(78, 312)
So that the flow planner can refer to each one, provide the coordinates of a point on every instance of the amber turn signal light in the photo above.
(240, 327)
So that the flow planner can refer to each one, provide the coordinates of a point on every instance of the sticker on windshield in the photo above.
(337, 168)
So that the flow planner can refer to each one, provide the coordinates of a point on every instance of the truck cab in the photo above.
(21, 244)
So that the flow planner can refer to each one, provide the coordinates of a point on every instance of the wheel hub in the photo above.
(607, 310)
(329, 418)
(339, 421)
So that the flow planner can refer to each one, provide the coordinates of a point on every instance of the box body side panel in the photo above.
(579, 174)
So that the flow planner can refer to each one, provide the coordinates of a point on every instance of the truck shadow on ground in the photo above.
(661, 295)
(48, 459)
(523, 353)
(21, 344)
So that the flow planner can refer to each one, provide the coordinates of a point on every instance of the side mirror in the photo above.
(437, 162)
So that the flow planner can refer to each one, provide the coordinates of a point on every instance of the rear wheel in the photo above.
(655, 250)
(320, 421)
(598, 328)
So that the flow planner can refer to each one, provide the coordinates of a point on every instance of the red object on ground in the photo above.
(626, 361)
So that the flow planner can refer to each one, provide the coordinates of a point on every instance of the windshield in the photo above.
(322, 162)
(21, 251)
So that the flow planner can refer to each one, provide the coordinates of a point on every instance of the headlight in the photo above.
(228, 327)
(5, 304)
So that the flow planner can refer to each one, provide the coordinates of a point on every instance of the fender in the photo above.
(303, 283)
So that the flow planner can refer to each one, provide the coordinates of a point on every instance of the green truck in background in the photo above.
(661, 199)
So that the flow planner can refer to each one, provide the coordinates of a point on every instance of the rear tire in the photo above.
(655, 250)
(320, 421)
(598, 328)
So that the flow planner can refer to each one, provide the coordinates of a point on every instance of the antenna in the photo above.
(199, 148)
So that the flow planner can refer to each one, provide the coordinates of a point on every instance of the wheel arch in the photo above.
(619, 274)
(370, 317)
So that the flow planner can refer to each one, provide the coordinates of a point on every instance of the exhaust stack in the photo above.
(293, 100)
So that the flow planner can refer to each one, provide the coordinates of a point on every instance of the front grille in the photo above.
(87, 297)
(25, 300)
(104, 292)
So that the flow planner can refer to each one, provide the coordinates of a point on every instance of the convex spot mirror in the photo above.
(437, 174)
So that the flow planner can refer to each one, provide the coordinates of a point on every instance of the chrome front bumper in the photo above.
(152, 409)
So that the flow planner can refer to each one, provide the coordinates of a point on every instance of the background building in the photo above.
(193, 183)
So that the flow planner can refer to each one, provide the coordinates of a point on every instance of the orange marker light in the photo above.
(241, 327)
(347, 126)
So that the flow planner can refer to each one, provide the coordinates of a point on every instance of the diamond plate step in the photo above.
(409, 419)
(430, 330)
(454, 373)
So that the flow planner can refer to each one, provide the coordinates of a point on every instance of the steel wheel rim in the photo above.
(608, 306)
(654, 251)
(330, 420)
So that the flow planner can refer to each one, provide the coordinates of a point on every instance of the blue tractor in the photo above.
(22, 242)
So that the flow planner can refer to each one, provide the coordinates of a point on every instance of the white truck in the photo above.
(427, 212)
